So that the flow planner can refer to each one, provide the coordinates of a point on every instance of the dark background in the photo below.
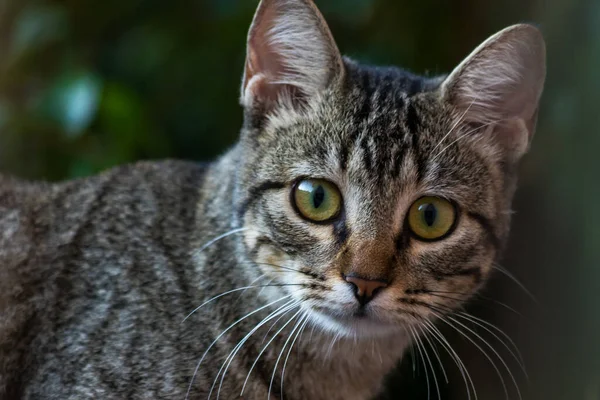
(88, 84)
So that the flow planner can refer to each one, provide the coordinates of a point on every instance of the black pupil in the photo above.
(318, 196)
(429, 214)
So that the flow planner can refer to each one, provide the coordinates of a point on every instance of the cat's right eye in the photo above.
(317, 200)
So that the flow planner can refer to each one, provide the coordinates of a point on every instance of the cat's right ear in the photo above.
(499, 87)
(291, 56)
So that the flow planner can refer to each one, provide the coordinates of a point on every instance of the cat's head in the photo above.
(377, 197)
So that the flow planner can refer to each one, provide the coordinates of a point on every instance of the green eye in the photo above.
(431, 218)
(317, 200)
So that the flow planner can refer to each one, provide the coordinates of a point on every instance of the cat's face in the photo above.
(377, 198)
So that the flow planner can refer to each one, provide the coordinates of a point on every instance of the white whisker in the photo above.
(462, 137)
(412, 356)
(512, 377)
(302, 332)
(417, 342)
(291, 334)
(281, 310)
(482, 324)
(480, 349)
(458, 121)
(223, 333)
(222, 236)
(435, 351)
(509, 275)
(219, 296)
(290, 350)
(265, 348)
(271, 328)
(330, 350)
(263, 288)
(437, 334)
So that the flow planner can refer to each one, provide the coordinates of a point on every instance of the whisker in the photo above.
(489, 324)
(223, 333)
(302, 332)
(283, 310)
(263, 288)
(330, 350)
(438, 335)
(462, 137)
(435, 351)
(435, 380)
(478, 296)
(271, 328)
(412, 355)
(307, 273)
(517, 356)
(494, 351)
(444, 320)
(306, 319)
(509, 275)
(237, 290)
(414, 335)
(222, 236)
(253, 282)
(265, 348)
(290, 335)
(458, 121)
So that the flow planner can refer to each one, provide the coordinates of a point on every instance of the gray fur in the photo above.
(97, 275)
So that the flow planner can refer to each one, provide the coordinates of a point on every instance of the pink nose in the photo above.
(365, 289)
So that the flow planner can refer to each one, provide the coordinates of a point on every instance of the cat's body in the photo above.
(360, 205)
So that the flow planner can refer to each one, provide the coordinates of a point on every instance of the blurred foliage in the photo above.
(88, 84)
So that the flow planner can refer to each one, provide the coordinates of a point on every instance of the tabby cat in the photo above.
(360, 206)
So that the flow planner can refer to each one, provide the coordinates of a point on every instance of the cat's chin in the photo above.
(361, 326)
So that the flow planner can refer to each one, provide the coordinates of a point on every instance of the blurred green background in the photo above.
(86, 85)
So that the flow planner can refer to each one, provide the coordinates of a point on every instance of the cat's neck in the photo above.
(342, 368)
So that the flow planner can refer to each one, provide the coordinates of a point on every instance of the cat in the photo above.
(360, 206)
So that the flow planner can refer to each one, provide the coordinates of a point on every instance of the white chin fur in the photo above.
(354, 327)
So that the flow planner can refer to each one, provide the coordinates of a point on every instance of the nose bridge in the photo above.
(370, 217)
(370, 260)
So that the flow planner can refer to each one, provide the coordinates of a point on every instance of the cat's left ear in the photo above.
(291, 55)
(499, 86)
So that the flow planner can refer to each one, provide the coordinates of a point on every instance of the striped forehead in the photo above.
(385, 120)
(381, 161)
(385, 127)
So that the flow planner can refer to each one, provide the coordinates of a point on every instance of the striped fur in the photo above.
(99, 276)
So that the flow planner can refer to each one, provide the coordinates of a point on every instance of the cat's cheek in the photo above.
(273, 262)
(251, 235)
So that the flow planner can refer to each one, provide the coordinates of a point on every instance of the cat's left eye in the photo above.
(317, 200)
(431, 218)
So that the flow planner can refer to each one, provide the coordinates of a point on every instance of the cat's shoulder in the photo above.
(32, 213)
(38, 218)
